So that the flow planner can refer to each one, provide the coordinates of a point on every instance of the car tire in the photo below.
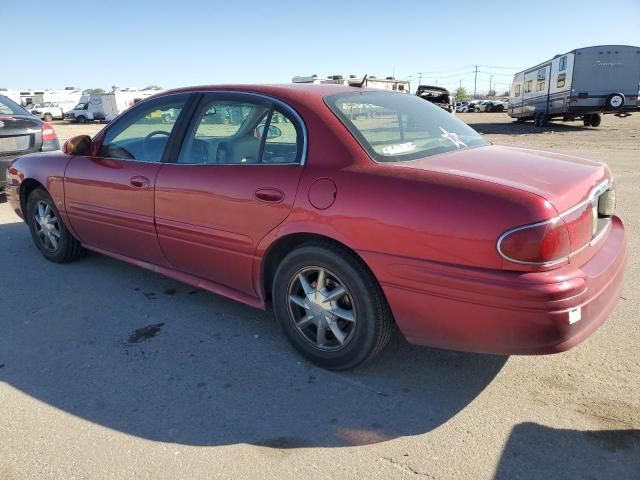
(348, 301)
(615, 101)
(596, 119)
(48, 231)
(47, 117)
(586, 120)
(81, 119)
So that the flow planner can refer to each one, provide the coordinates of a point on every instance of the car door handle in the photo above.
(139, 182)
(269, 195)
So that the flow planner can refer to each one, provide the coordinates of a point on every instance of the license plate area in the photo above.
(16, 144)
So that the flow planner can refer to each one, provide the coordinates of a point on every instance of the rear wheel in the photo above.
(48, 231)
(330, 307)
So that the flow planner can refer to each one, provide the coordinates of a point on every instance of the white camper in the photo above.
(580, 84)
(388, 83)
(104, 107)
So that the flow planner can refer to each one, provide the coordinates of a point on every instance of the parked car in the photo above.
(406, 217)
(462, 107)
(437, 95)
(21, 133)
(491, 106)
(48, 111)
(473, 105)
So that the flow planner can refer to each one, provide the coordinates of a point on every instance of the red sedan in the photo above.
(350, 210)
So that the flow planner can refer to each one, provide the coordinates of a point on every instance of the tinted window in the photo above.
(9, 107)
(397, 127)
(142, 134)
(241, 132)
(281, 143)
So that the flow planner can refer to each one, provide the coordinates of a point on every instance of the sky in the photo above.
(89, 44)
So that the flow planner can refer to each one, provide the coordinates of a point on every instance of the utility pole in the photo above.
(490, 80)
(475, 82)
(419, 78)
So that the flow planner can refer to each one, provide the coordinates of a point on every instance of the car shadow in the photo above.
(524, 128)
(136, 352)
(535, 452)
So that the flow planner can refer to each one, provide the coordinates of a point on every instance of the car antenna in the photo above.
(361, 84)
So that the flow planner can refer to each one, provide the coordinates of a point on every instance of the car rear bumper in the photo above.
(503, 312)
(4, 164)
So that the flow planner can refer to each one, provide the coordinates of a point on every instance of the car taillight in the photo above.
(581, 223)
(48, 133)
(536, 244)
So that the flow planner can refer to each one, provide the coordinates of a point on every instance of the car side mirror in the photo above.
(79, 145)
(272, 132)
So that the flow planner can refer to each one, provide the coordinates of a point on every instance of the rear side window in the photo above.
(9, 107)
(394, 127)
(234, 130)
(142, 134)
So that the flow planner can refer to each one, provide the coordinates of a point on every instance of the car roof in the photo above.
(292, 91)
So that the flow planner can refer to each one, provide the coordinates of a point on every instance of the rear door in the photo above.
(235, 180)
(110, 197)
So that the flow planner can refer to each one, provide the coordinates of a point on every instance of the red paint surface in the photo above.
(427, 229)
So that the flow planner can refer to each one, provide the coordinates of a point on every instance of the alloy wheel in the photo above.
(321, 308)
(47, 226)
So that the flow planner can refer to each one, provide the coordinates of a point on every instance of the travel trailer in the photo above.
(581, 84)
(388, 83)
(104, 107)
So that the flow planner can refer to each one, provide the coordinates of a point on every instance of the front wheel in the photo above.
(48, 231)
(330, 307)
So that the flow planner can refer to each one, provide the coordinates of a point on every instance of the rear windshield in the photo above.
(395, 127)
(9, 107)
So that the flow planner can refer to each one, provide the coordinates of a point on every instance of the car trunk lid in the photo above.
(561, 179)
(19, 134)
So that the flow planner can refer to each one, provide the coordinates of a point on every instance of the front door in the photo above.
(234, 181)
(110, 197)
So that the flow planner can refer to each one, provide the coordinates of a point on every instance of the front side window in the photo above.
(394, 127)
(143, 133)
(229, 131)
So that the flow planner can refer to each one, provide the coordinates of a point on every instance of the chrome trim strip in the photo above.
(593, 194)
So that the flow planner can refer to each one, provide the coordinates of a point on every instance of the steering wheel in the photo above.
(145, 142)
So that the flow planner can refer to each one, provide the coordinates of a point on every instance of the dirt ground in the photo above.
(110, 371)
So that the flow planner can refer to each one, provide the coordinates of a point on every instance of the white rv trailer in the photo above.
(581, 84)
(104, 107)
(388, 83)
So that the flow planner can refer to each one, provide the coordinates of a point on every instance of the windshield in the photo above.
(394, 127)
(79, 106)
(9, 107)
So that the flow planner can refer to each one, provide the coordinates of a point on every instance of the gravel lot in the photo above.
(110, 371)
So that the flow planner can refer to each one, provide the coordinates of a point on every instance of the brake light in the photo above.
(581, 224)
(536, 244)
(48, 133)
